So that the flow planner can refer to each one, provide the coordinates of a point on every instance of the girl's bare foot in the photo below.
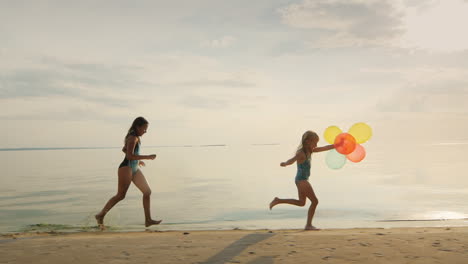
(100, 221)
(152, 222)
(311, 227)
(274, 202)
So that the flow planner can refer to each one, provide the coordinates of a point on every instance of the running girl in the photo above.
(129, 172)
(303, 156)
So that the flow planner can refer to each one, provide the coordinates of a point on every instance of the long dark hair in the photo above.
(138, 122)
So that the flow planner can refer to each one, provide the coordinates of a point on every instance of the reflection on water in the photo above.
(225, 187)
(445, 215)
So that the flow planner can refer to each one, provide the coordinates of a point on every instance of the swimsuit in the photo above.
(132, 163)
(303, 170)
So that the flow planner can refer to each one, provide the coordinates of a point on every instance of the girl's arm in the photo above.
(324, 148)
(298, 157)
(131, 143)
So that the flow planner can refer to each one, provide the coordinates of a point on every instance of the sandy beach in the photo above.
(397, 245)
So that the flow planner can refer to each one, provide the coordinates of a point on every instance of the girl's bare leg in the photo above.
(125, 178)
(300, 202)
(140, 181)
(304, 190)
(309, 193)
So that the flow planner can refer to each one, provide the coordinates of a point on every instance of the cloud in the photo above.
(223, 42)
(345, 23)
(432, 25)
(58, 108)
(70, 89)
(422, 100)
(104, 84)
(428, 90)
(229, 81)
(205, 102)
(436, 26)
(424, 76)
(420, 4)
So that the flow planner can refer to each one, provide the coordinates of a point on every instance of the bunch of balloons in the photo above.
(347, 145)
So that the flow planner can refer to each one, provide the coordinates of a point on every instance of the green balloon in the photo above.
(335, 160)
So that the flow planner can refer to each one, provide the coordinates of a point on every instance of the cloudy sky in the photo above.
(76, 73)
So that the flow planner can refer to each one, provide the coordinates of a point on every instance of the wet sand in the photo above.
(396, 245)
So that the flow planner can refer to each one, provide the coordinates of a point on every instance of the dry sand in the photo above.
(398, 245)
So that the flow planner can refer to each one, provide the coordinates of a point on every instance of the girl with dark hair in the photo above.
(303, 156)
(128, 171)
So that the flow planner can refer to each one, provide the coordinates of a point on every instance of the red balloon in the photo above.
(345, 143)
(358, 154)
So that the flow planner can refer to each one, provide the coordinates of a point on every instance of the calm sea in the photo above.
(227, 187)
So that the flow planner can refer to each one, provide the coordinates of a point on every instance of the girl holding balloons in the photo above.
(302, 158)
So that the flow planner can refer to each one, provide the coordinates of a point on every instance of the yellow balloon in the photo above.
(361, 132)
(330, 133)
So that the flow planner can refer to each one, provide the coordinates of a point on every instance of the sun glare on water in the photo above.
(445, 215)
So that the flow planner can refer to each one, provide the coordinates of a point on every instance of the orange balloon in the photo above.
(345, 143)
(358, 154)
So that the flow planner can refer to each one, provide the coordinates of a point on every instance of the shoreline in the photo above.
(169, 227)
(154, 229)
(361, 245)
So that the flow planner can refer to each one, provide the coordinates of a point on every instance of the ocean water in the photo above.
(399, 183)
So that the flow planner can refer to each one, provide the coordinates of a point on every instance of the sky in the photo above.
(76, 73)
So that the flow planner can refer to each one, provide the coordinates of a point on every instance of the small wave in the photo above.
(420, 220)
(51, 228)
(449, 144)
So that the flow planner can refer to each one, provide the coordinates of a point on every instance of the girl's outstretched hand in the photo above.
(283, 164)
(152, 156)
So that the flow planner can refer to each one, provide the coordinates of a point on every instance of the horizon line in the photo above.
(153, 146)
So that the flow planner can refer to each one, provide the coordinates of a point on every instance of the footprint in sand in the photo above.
(444, 249)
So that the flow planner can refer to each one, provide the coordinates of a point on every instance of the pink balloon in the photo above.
(358, 154)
